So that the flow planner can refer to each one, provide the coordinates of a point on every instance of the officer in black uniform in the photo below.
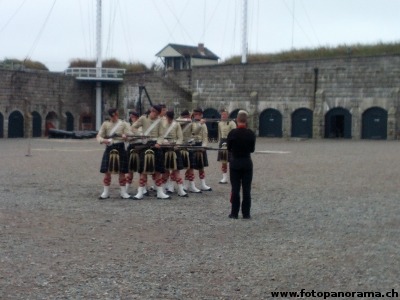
(241, 142)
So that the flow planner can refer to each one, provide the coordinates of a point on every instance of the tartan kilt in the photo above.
(123, 158)
(133, 154)
(185, 157)
(198, 158)
(178, 161)
(223, 155)
(158, 159)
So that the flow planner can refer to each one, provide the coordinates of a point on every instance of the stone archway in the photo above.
(234, 114)
(374, 124)
(302, 122)
(211, 113)
(270, 123)
(338, 123)
(51, 122)
(1, 125)
(36, 124)
(16, 125)
(86, 121)
(70, 121)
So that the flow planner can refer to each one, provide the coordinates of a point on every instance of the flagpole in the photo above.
(244, 33)
(98, 66)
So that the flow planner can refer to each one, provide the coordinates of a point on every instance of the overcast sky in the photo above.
(56, 31)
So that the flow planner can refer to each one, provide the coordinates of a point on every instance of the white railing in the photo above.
(103, 73)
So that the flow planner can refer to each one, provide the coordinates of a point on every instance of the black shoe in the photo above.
(134, 198)
(207, 190)
(246, 217)
(231, 216)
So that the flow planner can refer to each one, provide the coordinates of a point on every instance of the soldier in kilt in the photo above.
(198, 158)
(224, 127)
(150, 154)
(186, 121)
(132, 151)
(171, 136)
(163, 127)
(112, 133)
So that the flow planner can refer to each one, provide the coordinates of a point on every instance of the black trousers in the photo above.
(241, 176)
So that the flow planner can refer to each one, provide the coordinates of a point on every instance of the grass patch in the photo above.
(20, 65)
(109, 63)
(356, 50)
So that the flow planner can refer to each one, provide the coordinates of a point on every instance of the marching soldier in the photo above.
(133, 153)
(172, 135)
(163, 127)
(224, 127)
(151, 155)
(162, 124)
(199, 157)
(133, 117)
(112, 133)
(185, 121)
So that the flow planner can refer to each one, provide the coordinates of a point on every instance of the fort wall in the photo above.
(337, 92)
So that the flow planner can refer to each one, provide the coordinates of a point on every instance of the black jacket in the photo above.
(241, 142)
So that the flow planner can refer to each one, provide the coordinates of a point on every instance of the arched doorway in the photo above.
(1, 125)
(36, 124)
(271, 123)
(211, 113)
(302, 121)
(86, 122)
(16, 125)
(234, 114)
(51, 122)
(70, 121)
(374, 124)
(338, 123)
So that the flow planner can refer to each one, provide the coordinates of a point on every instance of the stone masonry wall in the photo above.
(353, 83)
(44, 93)
(170, 89)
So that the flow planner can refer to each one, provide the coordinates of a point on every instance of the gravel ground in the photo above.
(325, 214)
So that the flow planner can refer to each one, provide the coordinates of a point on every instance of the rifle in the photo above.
(133, 136)
(186, 146)
(207, 120)
(148, 144)
(129, 137)
(199, 147)
(214, 120)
